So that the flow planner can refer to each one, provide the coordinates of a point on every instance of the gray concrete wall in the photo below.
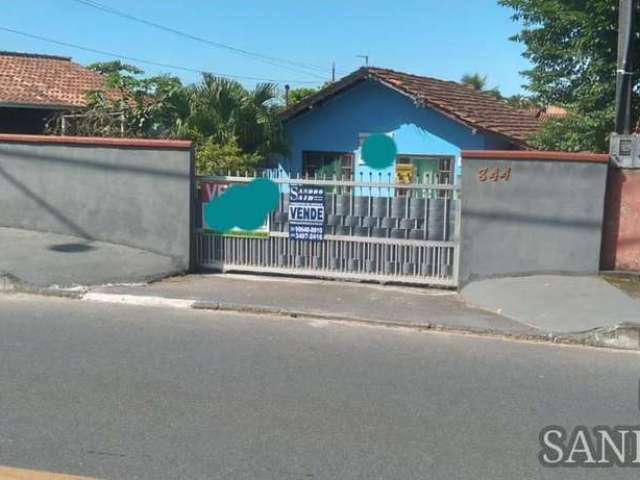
(134, 193)
(546, 217)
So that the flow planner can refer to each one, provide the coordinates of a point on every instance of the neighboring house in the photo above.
(550, 111)
(35, 87)
(431, 121)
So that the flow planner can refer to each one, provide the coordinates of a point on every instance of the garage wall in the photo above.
(131, 192)
(531, 212)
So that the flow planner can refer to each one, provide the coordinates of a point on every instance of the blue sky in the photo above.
(440, 38)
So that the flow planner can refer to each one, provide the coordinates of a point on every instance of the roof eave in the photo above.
(40, 106)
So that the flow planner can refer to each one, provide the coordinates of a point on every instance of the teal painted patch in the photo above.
(242, 206)
(379, 151)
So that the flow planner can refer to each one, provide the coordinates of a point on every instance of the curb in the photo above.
(12, 284)
(624, 336)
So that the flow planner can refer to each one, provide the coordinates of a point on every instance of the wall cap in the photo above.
(98, 141)
(535, 155)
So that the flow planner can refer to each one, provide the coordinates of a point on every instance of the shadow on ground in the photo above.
(41, 260)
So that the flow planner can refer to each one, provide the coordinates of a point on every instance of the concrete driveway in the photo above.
(40, 260)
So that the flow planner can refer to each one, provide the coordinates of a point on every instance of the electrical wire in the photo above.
(275, 61)
(150, 62)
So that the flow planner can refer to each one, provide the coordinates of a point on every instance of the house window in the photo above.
(424, 169)
(327, 164)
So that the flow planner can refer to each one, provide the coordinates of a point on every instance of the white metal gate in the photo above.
(374, 230)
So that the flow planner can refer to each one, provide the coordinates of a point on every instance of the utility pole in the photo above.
(624, 147)
(333, 72)
(624, 74)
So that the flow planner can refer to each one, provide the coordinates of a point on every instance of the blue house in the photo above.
(430, 120)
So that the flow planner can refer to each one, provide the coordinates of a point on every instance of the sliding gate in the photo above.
(373, 230)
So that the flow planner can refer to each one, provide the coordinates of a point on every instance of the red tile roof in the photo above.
(455, 100)
(45, 80)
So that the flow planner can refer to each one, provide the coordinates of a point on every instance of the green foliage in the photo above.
(223, 112)
(233, 128)
(479, 82)
(575, 132)
(130, 105)
(216, 158)
(572, 45)
(115, 67)
(298, 94)
(521, 101)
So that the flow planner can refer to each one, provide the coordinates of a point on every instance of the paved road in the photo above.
(118, 392)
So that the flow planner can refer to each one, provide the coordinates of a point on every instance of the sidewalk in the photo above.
(416, 307)
(574, 310)
(556, 303)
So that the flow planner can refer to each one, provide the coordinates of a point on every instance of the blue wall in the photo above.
(370, 107)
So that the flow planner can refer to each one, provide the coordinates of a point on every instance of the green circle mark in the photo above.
(379, 151)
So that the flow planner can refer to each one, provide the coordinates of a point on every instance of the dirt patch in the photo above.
(628, 283)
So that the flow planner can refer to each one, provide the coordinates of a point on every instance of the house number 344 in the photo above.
(495, 174)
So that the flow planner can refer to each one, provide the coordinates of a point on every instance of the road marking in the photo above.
(11, 473)
(138, 300)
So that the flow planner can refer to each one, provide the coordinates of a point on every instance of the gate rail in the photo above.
(379, 231)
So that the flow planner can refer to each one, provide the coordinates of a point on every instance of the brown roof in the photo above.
(550, 111)
(45, 80)
(455, 100)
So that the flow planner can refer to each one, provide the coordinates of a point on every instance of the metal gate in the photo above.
(374, 230)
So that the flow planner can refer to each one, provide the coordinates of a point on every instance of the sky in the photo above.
(438, 38)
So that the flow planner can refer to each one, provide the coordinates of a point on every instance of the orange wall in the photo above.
(621, 238)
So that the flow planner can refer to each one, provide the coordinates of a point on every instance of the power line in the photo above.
(276, 61)
(150, 62)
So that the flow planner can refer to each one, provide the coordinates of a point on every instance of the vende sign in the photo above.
(306, 213)
(215, 188)
(209, 190)
(311, 213)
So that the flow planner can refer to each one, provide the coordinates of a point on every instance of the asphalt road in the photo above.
(118, 392)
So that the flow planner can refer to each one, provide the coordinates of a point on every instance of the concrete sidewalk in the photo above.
(416, 307)
(571, 310)
(555, 303)
(42, 260)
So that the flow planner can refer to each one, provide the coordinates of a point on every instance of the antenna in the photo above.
(366, 59)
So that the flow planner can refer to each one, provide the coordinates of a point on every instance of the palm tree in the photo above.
(221, 110)
(226, 117)
(474, 80)
(479, 82)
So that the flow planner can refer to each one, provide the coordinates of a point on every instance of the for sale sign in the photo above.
(306, 213)
(209, 191)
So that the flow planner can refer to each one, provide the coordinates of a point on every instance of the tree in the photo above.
(129, 105)
(212, 158)
(572, 45)
(226, 117)
(233, 128)
(521, 101)
(479, 82)
(298, 94)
